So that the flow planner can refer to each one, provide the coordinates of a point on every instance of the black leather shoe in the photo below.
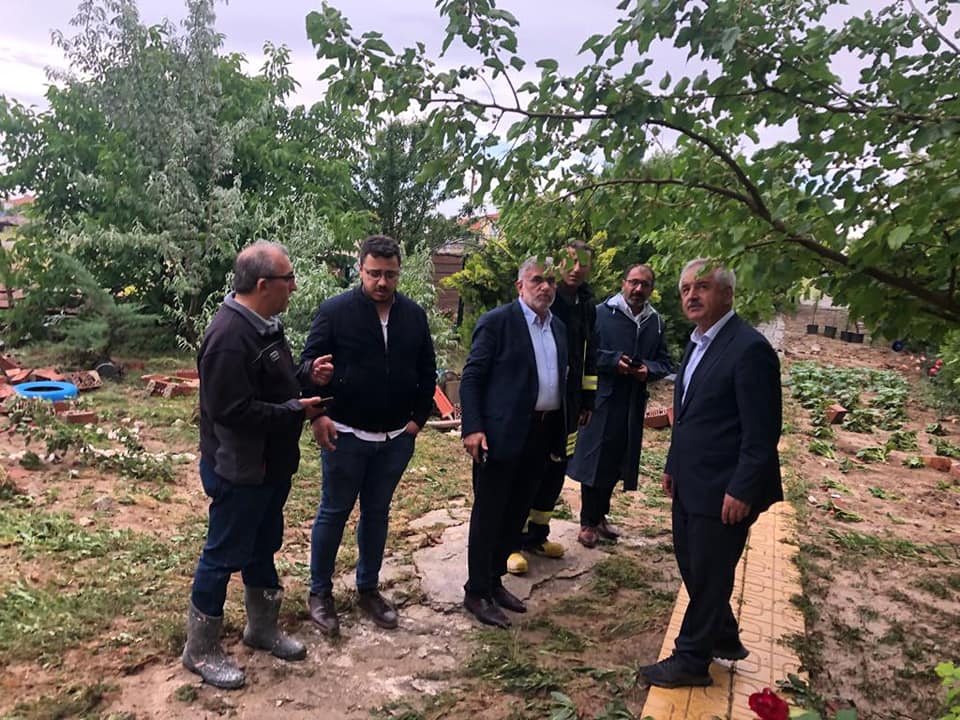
(485, 610)
(378, 609)
(607, 531)
(507, 600)
(672, 673)
(730, 651)
(324, 613)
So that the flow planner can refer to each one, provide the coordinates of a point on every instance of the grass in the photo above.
(109, 574)
(508, 662)
(75, 701)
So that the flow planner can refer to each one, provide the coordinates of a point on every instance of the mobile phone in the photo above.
(636, 362)
(483, 457)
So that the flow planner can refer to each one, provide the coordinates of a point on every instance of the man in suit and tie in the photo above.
(722, 469)
(511, 392)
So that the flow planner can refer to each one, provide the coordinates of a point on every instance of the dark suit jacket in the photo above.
(498, 388)
(725, 434)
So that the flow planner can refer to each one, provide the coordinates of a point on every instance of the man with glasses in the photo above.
(382, 392)
(251, 416)
(512, 395)
(631, 353)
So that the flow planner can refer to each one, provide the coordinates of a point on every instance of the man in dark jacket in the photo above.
(631, 353)
(382, 392)
(574, 305)
(512, 397)
(722, 470)
(251, 415)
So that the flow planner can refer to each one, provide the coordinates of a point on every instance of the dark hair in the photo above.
(254, 262)
(579, 245)
(380, 246)
(653, 275)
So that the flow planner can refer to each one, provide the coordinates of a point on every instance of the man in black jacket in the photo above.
(722, 469)
(382, 392)
(512, 396)
(574, 305)
(251, 415)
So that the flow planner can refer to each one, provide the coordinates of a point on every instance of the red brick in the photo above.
(80, 417)
(48, 373)
(937, 462)
(8, 363)
(657, 418)
(187, 374)
(835, 414)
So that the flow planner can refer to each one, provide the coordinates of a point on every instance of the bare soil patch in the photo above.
(880, 549)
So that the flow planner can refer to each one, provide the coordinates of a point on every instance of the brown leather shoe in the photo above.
(607, 531)
(324, 613)
(507, 600)
(588, 536)
(378, 609)
(485, 610)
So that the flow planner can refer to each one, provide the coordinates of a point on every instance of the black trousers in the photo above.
(707, 553)
(594, 504)
(502, 493)
(545, 500)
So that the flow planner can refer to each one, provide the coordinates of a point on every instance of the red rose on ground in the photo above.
(768, 705)
(933, 371)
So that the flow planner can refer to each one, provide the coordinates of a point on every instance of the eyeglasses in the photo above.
(640, 283)
(386, 274)
(289, 277)
(541, 279)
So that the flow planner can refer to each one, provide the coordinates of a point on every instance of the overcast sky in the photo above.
(547, 29)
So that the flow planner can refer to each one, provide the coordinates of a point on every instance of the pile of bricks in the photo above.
(182, 382)
(11, 373)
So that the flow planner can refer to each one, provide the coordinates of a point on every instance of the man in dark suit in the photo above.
(511, 392)
(722, 469)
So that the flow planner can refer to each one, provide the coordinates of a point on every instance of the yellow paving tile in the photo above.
(765, 582)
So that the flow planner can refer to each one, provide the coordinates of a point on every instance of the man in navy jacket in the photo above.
(512, 392)
(722, 469)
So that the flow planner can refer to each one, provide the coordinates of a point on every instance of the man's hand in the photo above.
(324, 432)
(321, 370)
(313, 406)
(474, 443)
(666, 482)
(412, 428)
(733, 510)
(585, 416)
(639, 372)
(623, 366)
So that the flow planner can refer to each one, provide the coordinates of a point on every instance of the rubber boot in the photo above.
(263, 609)
(204, 655)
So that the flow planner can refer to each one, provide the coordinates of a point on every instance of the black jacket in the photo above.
(499, 385)
(621, 400)
(580, 319)
(375, 388)
(725, 432)
(250, 416)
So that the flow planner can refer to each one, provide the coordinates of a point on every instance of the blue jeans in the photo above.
(370, 471)
(244, 533)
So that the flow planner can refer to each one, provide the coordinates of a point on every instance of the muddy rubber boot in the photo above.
(263, 609)
(204, 655)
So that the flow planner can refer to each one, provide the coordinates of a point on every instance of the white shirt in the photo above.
(545, 352)
(701, 341)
